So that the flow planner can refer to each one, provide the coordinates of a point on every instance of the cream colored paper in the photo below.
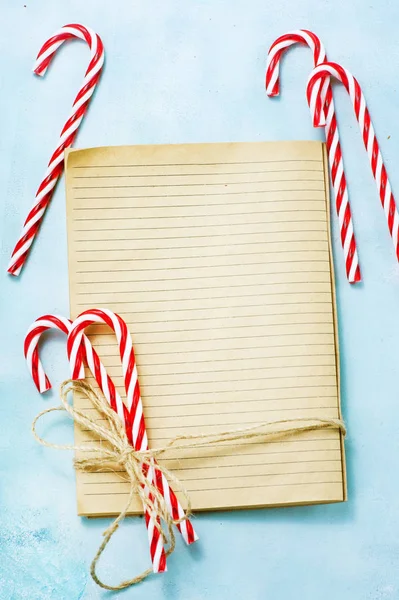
(218, 257)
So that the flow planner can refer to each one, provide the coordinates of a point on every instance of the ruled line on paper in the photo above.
(227, 293)
(86, 240)
(163, 219)
(199, 164)
(252, 456)
(95, 176)
(221, 193)
(242, 475)
(134, 228)
(225, 410)
(307, 483)
(131, 204)
(135, 260)
(224, 192)
(303, 440)
(320, 304)
(184, 266)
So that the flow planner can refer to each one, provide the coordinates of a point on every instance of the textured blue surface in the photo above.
(193, 71)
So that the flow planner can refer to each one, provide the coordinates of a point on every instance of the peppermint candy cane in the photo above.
(43, 384)
(369, 138)
(322, 90)
(31, 352)
(86, 351)
(132, 416)
(56, 164)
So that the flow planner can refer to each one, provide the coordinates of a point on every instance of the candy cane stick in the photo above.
(369, 138)
(133, 417)
(321, 89)
(32, 338)
(135, 430)
(56, 164)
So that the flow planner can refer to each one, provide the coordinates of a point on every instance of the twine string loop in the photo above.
(113, 449)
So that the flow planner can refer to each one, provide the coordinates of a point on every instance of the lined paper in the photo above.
(218, 258)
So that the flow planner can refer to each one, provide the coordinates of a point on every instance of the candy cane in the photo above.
(106, 384)
(85, 351)
(132, 416)
(321, 89)
(369, 138)
(56, 164)
(32, 338)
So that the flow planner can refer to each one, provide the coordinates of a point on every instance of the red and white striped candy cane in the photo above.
(369, 138)
(321, 89)
(131, 414)
(56, 164)
(87, 352)
(31, 352)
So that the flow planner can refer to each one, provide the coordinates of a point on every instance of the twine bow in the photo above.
(116, 451)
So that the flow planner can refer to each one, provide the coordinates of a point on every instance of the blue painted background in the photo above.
(193, 71)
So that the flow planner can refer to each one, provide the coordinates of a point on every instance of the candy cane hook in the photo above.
(31, 352)
(321, 89)
(86, 353)
(369, 138)
(68, 133)
(277, 49)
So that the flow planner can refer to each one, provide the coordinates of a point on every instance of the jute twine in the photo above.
(113, 449)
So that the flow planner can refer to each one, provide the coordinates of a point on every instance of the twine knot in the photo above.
(131, 460)
(127, 454)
